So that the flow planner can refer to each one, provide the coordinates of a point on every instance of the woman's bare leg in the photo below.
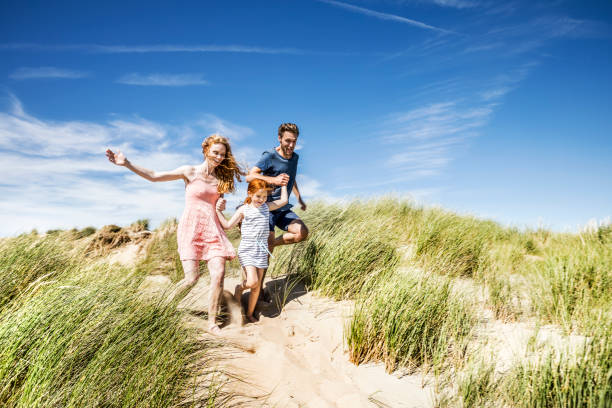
(216, 267)
(192, 274)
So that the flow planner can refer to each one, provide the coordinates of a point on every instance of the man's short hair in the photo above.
(288, 127)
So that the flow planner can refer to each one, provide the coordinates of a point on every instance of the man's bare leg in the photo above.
(296, 232)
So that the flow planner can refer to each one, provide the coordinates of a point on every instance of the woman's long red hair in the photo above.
(228, 169)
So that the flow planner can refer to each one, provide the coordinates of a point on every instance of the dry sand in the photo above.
(296, 357)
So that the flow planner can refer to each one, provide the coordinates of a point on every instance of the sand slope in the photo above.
(296, 357)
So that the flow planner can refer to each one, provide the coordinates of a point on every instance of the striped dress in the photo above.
(253, 248)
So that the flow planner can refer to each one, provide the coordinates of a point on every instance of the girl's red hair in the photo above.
(254, 186)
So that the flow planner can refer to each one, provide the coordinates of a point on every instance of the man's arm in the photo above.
(255, 173)
(296, 192)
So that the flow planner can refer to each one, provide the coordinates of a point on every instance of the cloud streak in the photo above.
(162, 79)
(46, 72)
(384, 16)
(151, 48)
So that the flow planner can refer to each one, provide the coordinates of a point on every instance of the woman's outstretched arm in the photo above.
(120, 160)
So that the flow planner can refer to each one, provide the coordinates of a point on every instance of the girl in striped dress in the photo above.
(253, 249)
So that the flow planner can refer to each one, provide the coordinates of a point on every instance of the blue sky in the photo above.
(497, 109)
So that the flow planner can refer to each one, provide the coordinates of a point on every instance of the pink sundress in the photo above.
(200, 236)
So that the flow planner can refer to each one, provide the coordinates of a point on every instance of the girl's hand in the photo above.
(116, 158)
(221, 204)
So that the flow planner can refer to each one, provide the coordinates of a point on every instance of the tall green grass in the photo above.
(363, 250)
(565, 378)
(453, 245)
(410, 321)
(355, 252)
(573, 282)
(28, 258)
(161, 254)
(78, 334)
(348, 252)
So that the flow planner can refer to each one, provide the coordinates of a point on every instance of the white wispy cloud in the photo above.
(55, 173)
(434, 121)
(47, 72)
(496, 93)
(456, 3)
(425, 140)
(151, 48)
(163, 79)
(161, 48)
(384, 16)
(534, 34)
(213, 124)
(460, 4)
(311, 189)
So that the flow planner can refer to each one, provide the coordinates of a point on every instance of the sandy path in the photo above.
(297, 357)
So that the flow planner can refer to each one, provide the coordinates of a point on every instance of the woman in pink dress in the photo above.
(200, 235)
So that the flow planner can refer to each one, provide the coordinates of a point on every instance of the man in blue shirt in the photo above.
(278, 167)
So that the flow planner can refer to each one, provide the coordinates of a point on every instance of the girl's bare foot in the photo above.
(238, 293)
(251, 319)
(214, 329)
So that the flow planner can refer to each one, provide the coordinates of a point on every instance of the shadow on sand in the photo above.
(282, 290)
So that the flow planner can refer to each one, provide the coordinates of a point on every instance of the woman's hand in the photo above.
(116, 158)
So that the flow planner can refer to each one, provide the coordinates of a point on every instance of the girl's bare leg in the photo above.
(192, 274)
(240, 287)
(254, 276)
(216, 267)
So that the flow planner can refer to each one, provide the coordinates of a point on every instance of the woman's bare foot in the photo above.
(214, 329)
(238, 293)
(252, 319)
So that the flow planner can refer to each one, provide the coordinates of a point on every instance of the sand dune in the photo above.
(295, 356)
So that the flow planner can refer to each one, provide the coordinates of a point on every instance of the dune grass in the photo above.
(566, 378)
(355, 252)
(161, 254)
(348, 251)
(573, 282)
(410, 321)
(76, 333)
(26, 259)
(398, 262)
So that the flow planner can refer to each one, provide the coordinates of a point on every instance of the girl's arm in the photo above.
(120, 160)
(284, 199)
(236, 218)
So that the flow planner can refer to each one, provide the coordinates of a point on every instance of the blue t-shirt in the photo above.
(272, 164)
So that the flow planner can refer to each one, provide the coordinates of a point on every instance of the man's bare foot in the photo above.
(238, 293)
(252, 319)
(214, 329)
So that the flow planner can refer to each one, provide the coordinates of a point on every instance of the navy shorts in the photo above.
(282, 219)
